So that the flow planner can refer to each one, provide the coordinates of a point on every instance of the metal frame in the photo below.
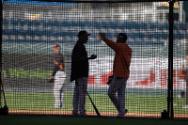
(170, 107)
(169, 114)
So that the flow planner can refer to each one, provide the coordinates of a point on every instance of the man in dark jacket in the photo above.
(79, 73)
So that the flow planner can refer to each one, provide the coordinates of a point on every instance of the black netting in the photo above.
(30, 28)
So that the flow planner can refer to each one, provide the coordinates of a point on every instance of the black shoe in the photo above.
(120, 117)
(74, 113)
(82, 114)
(126, 111)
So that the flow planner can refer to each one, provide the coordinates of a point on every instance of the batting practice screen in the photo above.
(31, 28)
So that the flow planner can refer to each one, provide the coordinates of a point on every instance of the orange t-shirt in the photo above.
(123, 54)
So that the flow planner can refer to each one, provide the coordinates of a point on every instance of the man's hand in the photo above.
(93, 56)
(51, 79)
(55, 62)
(61, 66)
(101, 36)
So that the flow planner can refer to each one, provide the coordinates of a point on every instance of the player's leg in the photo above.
(112, 90)
(121, 97)
(61, 98)
(186, 90)
(56, 91)
(62, 80)
(82, 94)
(186, 95)
(76, 98)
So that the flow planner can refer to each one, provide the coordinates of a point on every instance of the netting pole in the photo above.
(1, 53)
(3, 108)
(170, 108)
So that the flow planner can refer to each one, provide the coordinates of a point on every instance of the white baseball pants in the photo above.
(59, 80)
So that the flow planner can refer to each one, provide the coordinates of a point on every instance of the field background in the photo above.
(135, 103)
(30, 31)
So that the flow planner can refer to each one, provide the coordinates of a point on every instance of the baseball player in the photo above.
(79, 73)
(58, 75)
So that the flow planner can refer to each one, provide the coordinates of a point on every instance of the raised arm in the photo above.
(110, 43)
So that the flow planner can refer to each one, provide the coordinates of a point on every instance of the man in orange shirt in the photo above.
(186, 79)
(122, 60)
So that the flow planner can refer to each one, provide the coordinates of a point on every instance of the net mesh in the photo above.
(30, 29)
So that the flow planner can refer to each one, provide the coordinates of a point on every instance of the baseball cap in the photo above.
(56, 45)
(83, 32)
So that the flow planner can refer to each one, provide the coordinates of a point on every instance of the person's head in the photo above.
(56, 48)
(83, 36)
(122, 38)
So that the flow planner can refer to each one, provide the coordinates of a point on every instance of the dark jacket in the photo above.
(80, 64)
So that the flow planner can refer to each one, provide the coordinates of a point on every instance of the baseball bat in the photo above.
(94, 106)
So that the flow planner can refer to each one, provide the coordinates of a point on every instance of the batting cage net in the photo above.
(31, 28)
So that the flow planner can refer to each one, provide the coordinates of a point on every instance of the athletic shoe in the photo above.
(122, 116)
(126, 111)
(75, 113)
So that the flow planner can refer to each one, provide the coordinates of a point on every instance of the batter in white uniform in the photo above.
(58, 75)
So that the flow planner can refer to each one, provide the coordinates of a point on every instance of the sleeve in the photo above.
(62, 59)
(111, 44)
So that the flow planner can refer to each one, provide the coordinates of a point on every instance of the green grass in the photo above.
(134, 102)
(145, 103)
(23, 73)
